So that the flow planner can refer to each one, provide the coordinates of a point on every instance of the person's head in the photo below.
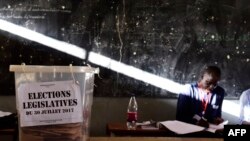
(210, 75)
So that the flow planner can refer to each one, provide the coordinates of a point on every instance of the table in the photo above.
(8, 131)
(120, 129)
(152, 139)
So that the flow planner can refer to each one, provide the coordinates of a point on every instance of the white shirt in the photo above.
(245, 106)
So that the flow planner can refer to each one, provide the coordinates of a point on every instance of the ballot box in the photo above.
(53, 102)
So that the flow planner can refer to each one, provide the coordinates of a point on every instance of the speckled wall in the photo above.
(172, 39)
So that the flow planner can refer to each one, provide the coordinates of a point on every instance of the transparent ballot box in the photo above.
(53, 102)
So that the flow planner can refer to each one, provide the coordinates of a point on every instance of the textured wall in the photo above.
(169, 38)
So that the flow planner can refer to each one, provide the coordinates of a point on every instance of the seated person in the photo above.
(201, 102)
(245, 107)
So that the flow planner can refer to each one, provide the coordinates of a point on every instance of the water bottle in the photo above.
(132, 113)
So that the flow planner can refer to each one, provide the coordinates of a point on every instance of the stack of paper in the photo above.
(148, 125)
(180, 127)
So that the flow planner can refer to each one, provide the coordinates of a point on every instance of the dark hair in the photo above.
(213, 70)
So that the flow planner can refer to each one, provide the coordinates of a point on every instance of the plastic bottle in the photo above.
(132, 113)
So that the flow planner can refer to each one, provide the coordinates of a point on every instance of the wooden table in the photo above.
(9, 131)
(120, 129)
(152, 139)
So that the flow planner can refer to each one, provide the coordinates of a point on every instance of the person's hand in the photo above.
(202, 122)
(219, 131)
(218, 120)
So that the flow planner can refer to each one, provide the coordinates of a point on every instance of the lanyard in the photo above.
(205, 96)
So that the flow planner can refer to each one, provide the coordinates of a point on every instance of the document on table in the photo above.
(213, 127)
(180, 127)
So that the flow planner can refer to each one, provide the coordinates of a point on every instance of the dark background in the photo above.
(173, 39)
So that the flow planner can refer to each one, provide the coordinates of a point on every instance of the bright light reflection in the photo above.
(231, 108)
(42, 39)
(136, 73)
(169, 85)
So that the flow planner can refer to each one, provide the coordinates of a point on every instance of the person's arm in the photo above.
(218, 119)
(186, 90)
(245, 123)
(203, 122)
(243, 102)
(184, 111)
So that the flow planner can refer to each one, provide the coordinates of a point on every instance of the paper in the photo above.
(143, 123)
(149, 127)
(181, 127)
(213, 127)
(2, 114)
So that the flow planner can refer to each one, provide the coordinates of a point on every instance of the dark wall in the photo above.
(173, 39)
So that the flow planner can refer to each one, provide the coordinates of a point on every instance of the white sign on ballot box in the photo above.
(46, 103)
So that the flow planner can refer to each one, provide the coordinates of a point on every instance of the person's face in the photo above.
(208, 82)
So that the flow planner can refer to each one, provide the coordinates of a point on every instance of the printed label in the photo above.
(46, 103)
